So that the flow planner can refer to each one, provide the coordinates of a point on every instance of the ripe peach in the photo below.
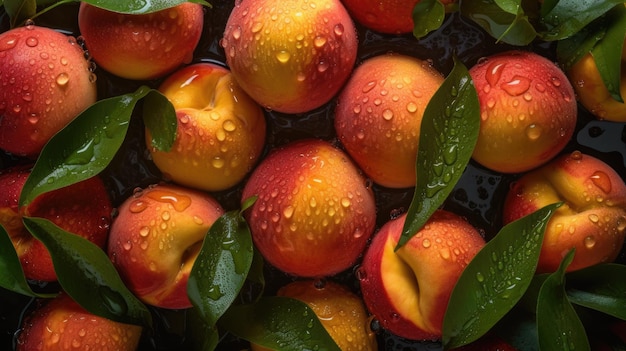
(143, 46)
(156, 238)
(593, 94)
(379, 113)
(83, 208)
(314, 212)
(341, 312)
(45, 81)
(408, 290)
(290, 56)
(61, 324)
(391, 16)
(592, 218)
(528, 111)
(221, 130)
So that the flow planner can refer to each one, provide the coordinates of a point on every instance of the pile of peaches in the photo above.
(312, 175)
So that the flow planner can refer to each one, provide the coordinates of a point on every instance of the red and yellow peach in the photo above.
(592, 218)
(145, 46)
(155, 239)
(46, 82)
(62, 324)
(408, 290)
(290, 56)
(593, 94)
(379, 113)
(83, 209)
(314, 213)
(528, 111)
(391, 16)
(221, 130)
(341, 312)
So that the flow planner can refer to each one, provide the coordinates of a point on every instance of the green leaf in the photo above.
(448, 135)
(137, 7)
(221, 268)
(87, 145)
(428, 16)
(601, 287)
(505, 21)
(87, 275)
(558, 325)
(495, 280)
(279, 323)
(19, 10)
(11, 272)
(159, 117)
(572, 49)
(564, 18)
(608, 52)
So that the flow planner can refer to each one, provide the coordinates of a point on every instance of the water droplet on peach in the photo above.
(62, 79)
(426, 243)
(32, 42)
(590, 242)
(517, 86)
(388, 115)
(533, 131)
(602, 181)
(137, 206)
(338, 29)
(494, 72)
(283, 56)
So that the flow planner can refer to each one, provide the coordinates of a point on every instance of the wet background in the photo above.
(478, 196)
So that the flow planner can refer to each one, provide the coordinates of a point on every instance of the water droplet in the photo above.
(322, 66)
(32, 42)
(388, 115)
(256, 27)
(480, 277)
(576, 155)
(369, 86)
(338, 29)
(590, 242)
(288, 211)
(426, 243)
(494, 72)
(283, 56)
(8, 43)
(319, 41)
(180, 202)
(62, 79)
(411, 107)
(229, 125)
(533, 131)
(137, 206)
(602, 181)
(517, 86)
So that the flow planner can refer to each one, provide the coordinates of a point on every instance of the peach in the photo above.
(408, 290)
(379, 113)
(221, 130)
(155, 239)
(592, 218)
(314, 212)
(593, 94)
(290, 56)
(61, 324)
(528, 111)
(83, 209)
(391, 16)
(46, 82)
(145, 46)
(341, 312)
